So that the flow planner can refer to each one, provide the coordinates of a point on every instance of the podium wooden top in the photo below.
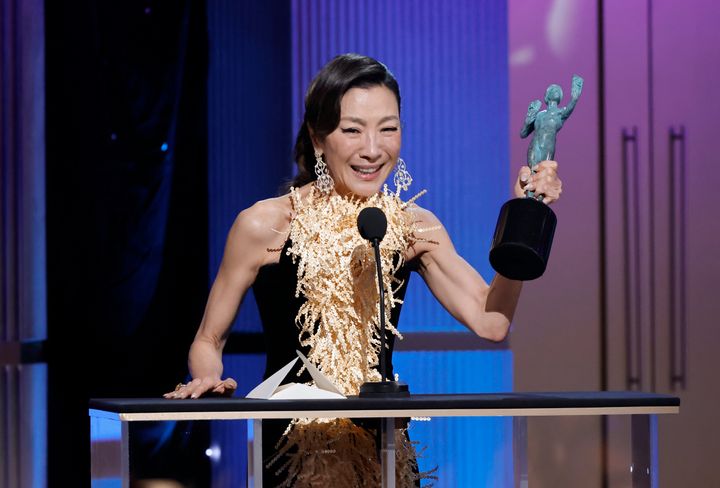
(436, 405)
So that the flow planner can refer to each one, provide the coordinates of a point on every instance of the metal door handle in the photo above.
(631, 257)
(677, 250)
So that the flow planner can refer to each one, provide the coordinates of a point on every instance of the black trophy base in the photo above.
(384, 389)
(523, 238)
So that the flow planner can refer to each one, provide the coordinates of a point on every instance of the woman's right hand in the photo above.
(203, 387)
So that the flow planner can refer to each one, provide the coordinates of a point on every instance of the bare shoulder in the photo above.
(262, 226)
(430, 231)
(264, 215)
(423, 216)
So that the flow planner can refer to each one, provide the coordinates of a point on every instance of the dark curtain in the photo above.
(126, 217)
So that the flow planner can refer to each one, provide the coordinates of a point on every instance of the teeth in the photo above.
(366, 171)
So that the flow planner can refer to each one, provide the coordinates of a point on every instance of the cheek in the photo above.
(339, 151)
(392, 146)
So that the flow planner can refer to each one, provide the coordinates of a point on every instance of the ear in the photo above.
(315, 141)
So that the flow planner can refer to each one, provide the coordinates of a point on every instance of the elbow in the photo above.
(492, 330)
(496, 334)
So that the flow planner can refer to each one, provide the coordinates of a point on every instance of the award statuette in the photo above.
(525, 228)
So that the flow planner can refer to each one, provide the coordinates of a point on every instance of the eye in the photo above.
(350, 130)
(389, 129)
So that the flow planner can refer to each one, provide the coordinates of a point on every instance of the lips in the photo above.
(367, 172)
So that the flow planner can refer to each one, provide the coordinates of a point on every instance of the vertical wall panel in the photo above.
(466, 451)
(22, 172)
(249, 134)
(450, 61)
(556, 331)
(549, 42)
(23, 424)
(32, 296)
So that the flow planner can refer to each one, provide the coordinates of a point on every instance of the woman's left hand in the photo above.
(203, 388)
(545, 182)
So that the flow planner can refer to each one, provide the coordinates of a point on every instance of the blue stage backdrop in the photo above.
(450, 59)
(250, 136)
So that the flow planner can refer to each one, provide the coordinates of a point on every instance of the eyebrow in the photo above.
(360, 121)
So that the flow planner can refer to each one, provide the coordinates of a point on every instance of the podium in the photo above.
(110, 419)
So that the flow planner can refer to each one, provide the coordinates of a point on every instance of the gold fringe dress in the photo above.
(321, 298)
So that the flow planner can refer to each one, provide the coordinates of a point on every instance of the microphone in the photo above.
(372, 225)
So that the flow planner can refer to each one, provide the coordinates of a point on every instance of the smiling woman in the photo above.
(356, 96)
(364, 147)
(313, 275)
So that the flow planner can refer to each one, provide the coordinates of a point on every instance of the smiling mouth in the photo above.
(367, 170)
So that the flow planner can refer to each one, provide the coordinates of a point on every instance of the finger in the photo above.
(194, 389)
(546, 174)
(551, 198)
(524, 175)
(178, 392)
(547, 164)
(222, 390)
(201, 388)
(552, 195)
(536, 183)
(170, 393)
(546, 182)
(187, 390)
(226, 388)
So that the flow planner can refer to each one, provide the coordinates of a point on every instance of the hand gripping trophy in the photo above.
(525, 227)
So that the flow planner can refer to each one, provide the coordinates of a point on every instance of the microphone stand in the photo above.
(384, 388)
(381, 290)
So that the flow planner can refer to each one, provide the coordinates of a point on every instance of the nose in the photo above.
(371, 149)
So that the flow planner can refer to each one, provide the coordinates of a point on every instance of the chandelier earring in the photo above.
(402, 178)
(324, 182)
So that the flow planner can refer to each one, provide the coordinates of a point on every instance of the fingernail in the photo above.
(194, 395)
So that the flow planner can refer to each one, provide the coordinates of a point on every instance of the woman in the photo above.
(313, 274)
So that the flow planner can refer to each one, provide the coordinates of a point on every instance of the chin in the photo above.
(364, 190)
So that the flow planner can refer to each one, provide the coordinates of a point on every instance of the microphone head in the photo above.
(372, 223)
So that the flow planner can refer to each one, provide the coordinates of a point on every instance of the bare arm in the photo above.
(245, 252)
(485, 309)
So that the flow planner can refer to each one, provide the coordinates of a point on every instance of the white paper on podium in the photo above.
(270, 389)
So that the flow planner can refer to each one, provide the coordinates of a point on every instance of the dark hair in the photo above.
(322, 103)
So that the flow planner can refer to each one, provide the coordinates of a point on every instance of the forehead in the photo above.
(373, 101)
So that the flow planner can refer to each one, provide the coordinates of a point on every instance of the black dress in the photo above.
(274, 290)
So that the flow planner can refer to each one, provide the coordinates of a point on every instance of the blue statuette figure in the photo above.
(547, 124)
(526, 226)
